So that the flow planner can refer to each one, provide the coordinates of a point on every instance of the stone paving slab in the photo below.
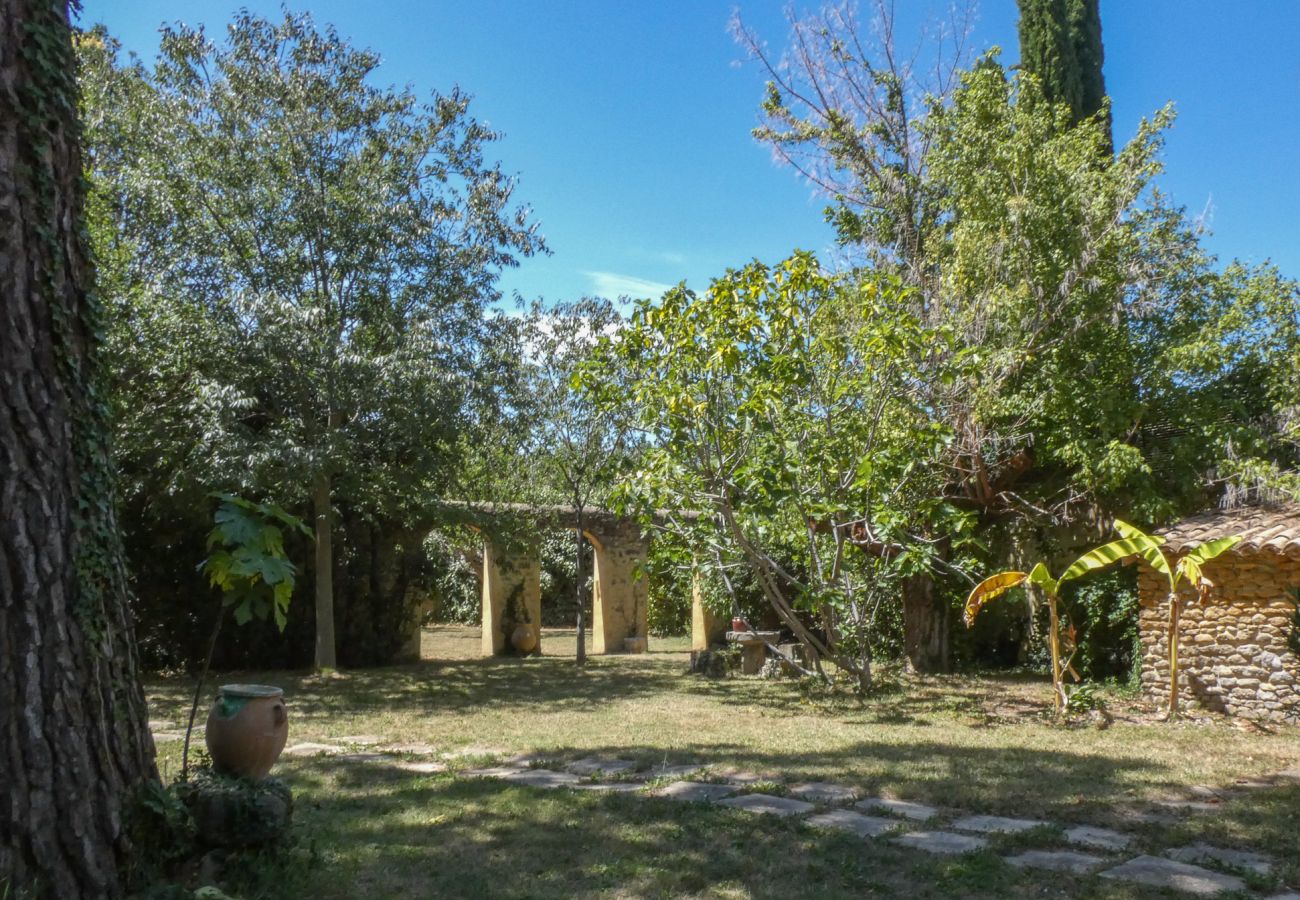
(824, 792)
(1189, 805)
(473, 751)
(310, 749)
(916, 811)
(166, 737)
(594, 765)
(1240, 859)
(696, 791)
(1097, 838)
(419, 767)
(1288, 775)
(491, 772)
(677, 771)
(1168, 873)
(945, 842)
(1056, 860)
(541, 778)
(363, 757)
(415, 748)
(768, 804)
(528, 760)
(611, 787)
(864, 826)
(996, 824)
(364, 740)
(745, 778)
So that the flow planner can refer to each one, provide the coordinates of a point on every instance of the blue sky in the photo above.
(628, 123)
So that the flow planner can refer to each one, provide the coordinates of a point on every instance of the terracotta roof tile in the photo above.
(1273, 528)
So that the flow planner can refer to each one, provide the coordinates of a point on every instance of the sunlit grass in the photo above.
(961, 743)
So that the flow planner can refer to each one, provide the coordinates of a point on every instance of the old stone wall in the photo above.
(1233, 653)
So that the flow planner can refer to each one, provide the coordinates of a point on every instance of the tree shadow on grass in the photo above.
(478, 838)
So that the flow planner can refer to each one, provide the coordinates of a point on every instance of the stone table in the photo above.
(753, 648)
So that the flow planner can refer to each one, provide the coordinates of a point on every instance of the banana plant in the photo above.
(1041, 578)
(1189, 567)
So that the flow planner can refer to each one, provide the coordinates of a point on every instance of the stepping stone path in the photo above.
(1056, 860)
(863, 826)
(310, 749)
(595, 766)
(1175, 871)
(823, 792)
(996, 824)
(696, 791)
(542, 778)
(945, 842)
(769, 805)
(1167, 873)
(678, 771)
(363, 740)
(1238, 859)
(420, 767)
(745, 778)
(918, 812)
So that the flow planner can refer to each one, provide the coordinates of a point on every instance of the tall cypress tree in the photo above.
(1060, 42)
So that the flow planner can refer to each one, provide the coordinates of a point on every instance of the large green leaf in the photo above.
(1152, 554)
(1039, 575)
(1108, 554)
(1211, 549)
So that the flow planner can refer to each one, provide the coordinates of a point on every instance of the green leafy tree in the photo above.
(783, 406)
(1105, 382)
(576, 442)
(306, 258)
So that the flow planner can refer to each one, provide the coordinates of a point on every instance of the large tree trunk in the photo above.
(74, 743)
(325, 650)
(925, 625)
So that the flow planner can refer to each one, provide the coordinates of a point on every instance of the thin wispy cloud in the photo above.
(611, 284)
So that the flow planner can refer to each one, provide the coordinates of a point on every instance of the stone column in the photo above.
(512, 592)
(707, 629)
(620, 598)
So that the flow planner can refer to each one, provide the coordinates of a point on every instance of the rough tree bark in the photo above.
(925, 625)
(74, 741)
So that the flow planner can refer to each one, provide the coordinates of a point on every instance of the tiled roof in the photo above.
(1272, 528)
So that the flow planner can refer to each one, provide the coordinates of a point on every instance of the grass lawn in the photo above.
(979, 745)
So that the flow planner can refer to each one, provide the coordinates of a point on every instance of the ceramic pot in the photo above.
(246, 729)
(738, 624)
(524, 638)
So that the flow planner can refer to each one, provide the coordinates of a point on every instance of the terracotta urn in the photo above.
(246, 729)
(738, 624)
(524, 638)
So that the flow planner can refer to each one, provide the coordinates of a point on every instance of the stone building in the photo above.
(1237, 652)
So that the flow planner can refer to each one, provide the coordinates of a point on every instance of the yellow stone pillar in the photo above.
(512, 592)
(620, 598)
(707, 629)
